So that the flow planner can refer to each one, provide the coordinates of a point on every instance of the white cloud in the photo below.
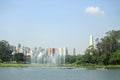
(93, 10)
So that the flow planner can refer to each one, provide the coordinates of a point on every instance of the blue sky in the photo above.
(57, 23)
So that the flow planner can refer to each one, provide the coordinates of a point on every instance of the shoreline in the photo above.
(100, 67)
(94, 66)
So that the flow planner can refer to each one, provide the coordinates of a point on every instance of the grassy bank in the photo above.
(112, 67)
(13, 65)
(25, 65)
(66, 65)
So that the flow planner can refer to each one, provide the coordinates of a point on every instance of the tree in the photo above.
(115, 58)
(110, 43)
(78, 59)
(5, 52)
(19, 57)
(70, 59)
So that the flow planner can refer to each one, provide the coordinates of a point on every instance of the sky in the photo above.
(57, 23)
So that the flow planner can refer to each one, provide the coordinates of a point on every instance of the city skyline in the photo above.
(27, 50)
(54, 23)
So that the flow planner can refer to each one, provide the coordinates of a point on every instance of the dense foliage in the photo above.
(106, 51)
(5, 52)
(19, 57)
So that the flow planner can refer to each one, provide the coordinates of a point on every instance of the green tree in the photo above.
(86, 59)
(70, 59)
(94, 59)
(19, 57)
(115, 58)
(110, 43)
(5, 52)
(78, 59)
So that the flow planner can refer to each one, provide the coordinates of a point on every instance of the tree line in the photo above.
(105, 52)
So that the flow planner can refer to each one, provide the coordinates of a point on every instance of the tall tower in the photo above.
(91, 41)
(91, 44)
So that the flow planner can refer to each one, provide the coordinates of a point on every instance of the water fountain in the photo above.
(49, 56)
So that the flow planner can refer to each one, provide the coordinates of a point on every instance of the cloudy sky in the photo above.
(57, 23)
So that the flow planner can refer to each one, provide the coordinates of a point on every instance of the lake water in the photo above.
(57, 73)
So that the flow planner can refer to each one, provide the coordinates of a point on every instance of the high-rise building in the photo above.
(60, 51)
(65, 51)
(52, 51)
(12, 48)
(18, 48)
(26, 51)
(73, 51)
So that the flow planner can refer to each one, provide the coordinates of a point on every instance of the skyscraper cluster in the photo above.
(27, 51)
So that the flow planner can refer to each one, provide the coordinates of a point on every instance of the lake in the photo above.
(57, 73)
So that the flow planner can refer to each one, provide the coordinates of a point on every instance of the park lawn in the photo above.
(13, 65)
(94, 66)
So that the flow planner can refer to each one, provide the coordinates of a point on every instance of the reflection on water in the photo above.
(57, 73)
